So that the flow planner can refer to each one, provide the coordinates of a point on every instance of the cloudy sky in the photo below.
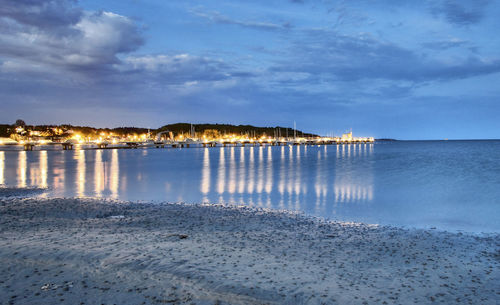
(400, 69)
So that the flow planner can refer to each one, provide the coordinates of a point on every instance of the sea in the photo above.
(446, 185)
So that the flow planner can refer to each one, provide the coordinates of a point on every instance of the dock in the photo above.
(30, 146)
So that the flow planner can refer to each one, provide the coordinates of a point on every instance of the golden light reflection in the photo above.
(221, 175)
(281, 184)
(58, 173)
(288, 183)
(2, 167)
(114, 174)
(350, 188)
(252, 174)
(43, 169)
(58, 180)
(298, 175)
(251, 171)
(241, 184)
(21, 169)
(260, 171)
(319, 180)
(205, 172)
(269, 174)
(80, 173)
(99, 172)
(232, 172)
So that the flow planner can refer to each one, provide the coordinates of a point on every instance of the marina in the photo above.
(146, 140)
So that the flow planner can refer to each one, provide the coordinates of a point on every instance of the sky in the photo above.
(388, 69)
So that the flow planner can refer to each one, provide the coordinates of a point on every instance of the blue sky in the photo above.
(400, 69)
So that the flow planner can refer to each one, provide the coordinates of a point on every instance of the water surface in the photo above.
(451, 185)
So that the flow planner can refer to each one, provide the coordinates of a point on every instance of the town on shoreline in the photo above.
(173, 135)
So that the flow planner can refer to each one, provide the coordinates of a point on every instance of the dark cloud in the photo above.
(89, 51)
(462, 13)
(166, 70)
(349, 58)
(42, 14)
(58, 36)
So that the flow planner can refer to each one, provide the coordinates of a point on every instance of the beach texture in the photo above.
(88, 251)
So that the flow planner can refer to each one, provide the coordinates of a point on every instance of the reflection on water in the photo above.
(38, 175)
(81, 172)
(205, 176)
(99, 173)
(106, 175)
(269, 174)
(114, 174)
(250, 171)
(281, 176)
(260, 175)
(21, 170)
(392, 183)
(43, 169)
(242, 172)
(221, 177)
(349, 187)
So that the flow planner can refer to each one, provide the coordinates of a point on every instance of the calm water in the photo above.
(452, 185)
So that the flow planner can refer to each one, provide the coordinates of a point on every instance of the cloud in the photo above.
(332, 56)
(76, 40)
(218, 18)
(92, 54)
(41, 14)
(445, 44)
(462, 13)
(176, 69)
(60, 61)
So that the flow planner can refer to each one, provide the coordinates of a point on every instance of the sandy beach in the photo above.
(89, 251)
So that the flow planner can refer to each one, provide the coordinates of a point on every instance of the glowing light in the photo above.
(221, 176)
(21, 169)
(205, 174)
(232, 172)
(43, 168)
(80, 172)
(115, 174)
(98, 173)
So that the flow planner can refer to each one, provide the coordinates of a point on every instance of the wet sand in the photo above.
(88, 251)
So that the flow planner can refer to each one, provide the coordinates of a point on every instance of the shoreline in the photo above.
(87, 250)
